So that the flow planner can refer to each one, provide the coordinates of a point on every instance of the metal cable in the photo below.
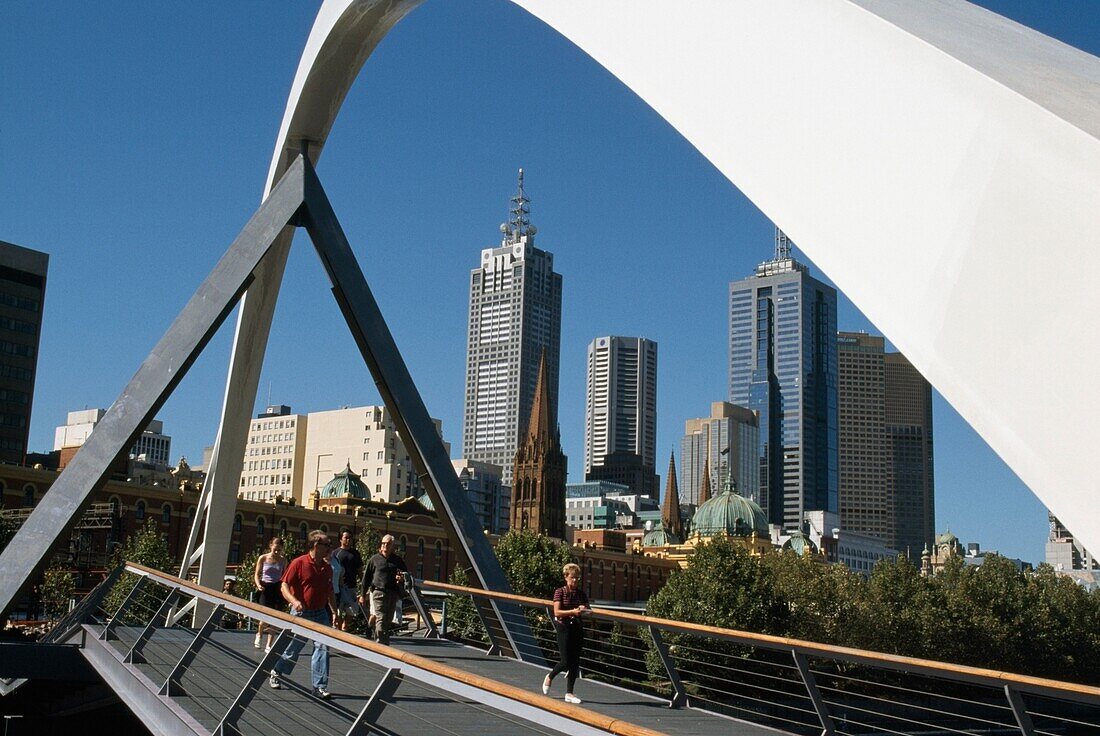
(986, 721)
(904, 720)
(761, 700)
(836, 675)
(730, 706)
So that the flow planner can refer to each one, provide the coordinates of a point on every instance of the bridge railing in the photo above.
(794, 685)
(214, 674)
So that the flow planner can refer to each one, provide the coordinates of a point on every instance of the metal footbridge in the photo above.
(182, 658)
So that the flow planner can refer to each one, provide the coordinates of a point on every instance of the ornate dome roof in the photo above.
(345, 483)
(946, 538)
(800, 544)
(730, 513)
(658, 536)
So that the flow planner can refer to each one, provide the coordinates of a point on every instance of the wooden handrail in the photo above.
(889, 661)
(572, 712)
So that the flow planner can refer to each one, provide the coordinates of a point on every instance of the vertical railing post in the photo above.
(425, 615)
(494, 641)
(1019, 710)
(810, 682)
(134, 656)
(679, 695)
(172, 686)
(370, 712)
(229, 721)
(108, 630)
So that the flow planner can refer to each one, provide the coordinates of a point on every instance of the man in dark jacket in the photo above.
(383, 581)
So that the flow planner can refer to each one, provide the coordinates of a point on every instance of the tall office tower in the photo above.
(515, 315)
(886, 480)
(489, 497)
(729, 436)
(365, 439)
(22, 291)
(274, 456)
(865, 506)
(910, 480)
(782, 365)
(540, 469)
(620, 413)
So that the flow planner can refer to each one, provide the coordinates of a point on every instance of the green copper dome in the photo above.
(800, 544)
(946, 538)
(730, 513)
(658, 536)
(345, 483)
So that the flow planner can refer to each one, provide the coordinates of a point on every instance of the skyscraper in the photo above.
(887, 490)
(910, 480)
(515, 315)
(782, 364)
(620, 414)
(729, 436)
(22, 290)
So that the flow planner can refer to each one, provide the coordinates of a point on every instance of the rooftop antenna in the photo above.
(519, 215)
(782, 245)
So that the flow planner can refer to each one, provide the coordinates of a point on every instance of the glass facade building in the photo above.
(783, 365)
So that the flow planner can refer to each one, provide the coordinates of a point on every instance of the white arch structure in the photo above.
(939, 162)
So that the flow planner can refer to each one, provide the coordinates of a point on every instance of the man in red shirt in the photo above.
(307, 587)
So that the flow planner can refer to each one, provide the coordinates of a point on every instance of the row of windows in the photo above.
(15, 348)
(19, 302)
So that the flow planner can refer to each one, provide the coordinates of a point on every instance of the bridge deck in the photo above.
(229, 658)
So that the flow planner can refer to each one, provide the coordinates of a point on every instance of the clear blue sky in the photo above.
(136, 138)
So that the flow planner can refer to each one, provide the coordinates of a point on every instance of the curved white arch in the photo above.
(930, 157)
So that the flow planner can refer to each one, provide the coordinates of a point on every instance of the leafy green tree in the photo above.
(819, 601)
(368, 541)
(462, 620)
(532, 563)
(57, 589)
(891, 608)
(146, 547)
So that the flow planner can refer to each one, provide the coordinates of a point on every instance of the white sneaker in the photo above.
(546, 685)
(571, 698)
(256, 641)
(273, 681)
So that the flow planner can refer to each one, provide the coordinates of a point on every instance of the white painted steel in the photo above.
(940, 163)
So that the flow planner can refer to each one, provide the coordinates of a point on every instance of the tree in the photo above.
(820, 601)
(7, 531)
(532, 563)
(245, 585)
(146, 547)
(58, 586)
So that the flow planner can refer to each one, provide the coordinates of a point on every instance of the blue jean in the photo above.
(319, 661)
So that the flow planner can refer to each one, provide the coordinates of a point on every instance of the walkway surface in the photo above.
(228, 660)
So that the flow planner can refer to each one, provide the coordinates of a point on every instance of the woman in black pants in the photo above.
(569, 603)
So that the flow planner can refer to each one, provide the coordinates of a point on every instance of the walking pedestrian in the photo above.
(570, 602)
(307, 587)
(267, 576)
(352, 562)
(383, 580)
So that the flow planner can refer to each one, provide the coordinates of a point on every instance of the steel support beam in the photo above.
(229, 721)
(52, 520)
(134, 656)
(108, 630)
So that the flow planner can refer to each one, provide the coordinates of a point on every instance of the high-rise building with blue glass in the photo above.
(783, 365)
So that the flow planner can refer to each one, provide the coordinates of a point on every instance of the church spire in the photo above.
(540, 423)
(519, 215)
(670, 506)
(704, 490)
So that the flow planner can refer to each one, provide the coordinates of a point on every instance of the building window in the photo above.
(439, 560)
(282, 527)
(28, 495)
(303, 531)
(139, 510)
(166, 514)
(259, 527)
(237, 521)
(401, 545)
